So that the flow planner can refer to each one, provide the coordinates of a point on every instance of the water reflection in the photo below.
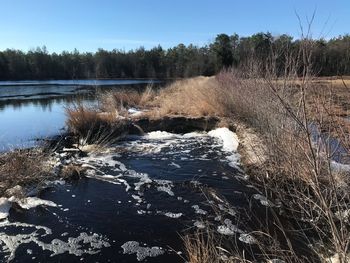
(31, 111)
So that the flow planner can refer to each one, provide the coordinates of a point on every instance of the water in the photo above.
(139, 197)
(144, 190)
(36, 109)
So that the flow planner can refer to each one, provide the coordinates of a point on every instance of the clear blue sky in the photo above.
(127, 24)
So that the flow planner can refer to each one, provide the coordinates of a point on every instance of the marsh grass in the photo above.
(95, 127)
(24, 167)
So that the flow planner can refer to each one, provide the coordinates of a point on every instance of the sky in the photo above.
(128, 24)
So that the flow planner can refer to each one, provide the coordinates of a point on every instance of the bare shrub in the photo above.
(299, 170)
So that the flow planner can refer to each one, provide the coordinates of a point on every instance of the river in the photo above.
(139, 197)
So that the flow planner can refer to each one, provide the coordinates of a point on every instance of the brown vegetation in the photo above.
(93, 126)
(24, 167)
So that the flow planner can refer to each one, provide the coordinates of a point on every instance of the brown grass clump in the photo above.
(202, 247)
(93, 126)
(23, 167)
(72, 172)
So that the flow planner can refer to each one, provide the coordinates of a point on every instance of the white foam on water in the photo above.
(133, 247)
(228, 228)
(230, 144)
(31, 202)
(160, 135)
(175, 165)
(137, 198)
(228, 138)
(199, 210)
(247, 238)
(165, 186)
(173, 215)
(227, 209)
(199, 224)
(339, 167)
(5, 206)
(194, 135)
(135, 111)
(83, 244)
(263, 200)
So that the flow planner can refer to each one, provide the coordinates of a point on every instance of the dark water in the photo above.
(144, 190)
(34, 109)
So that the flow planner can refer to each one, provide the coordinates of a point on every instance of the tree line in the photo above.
(331, 57)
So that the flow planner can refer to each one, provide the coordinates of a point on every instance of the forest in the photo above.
(330, 57)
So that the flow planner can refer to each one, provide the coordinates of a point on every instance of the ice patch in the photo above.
(133, 247)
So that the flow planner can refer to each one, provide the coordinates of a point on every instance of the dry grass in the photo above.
(119, 101)
(191, 97)
(24, 168)
(298, 170)
(93, 126)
